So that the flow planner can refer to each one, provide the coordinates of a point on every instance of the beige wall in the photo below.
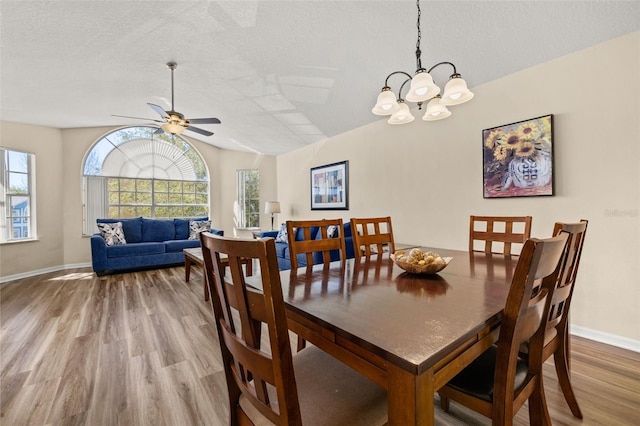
(59, 158)
(428, 176)
(48, 250)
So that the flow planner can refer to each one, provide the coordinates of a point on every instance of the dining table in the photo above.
(409, 333)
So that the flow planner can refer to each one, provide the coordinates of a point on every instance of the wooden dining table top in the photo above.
(412, 321)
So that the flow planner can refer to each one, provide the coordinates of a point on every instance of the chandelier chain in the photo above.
(418, 51)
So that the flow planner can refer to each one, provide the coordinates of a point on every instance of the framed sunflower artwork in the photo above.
(518, 159)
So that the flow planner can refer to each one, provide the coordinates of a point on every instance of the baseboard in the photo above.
(43, 271)
(606, 338)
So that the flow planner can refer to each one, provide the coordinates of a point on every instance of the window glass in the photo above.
(135, 172)
(248, 198)
(17, 179)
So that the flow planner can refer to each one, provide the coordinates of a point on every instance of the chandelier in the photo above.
(422, 89)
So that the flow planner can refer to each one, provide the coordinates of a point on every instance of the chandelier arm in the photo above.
(386, 81)
(402, 87)
(444, 63)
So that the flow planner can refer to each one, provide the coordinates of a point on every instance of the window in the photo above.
(248, 198)
(137, 171)
(18, 218)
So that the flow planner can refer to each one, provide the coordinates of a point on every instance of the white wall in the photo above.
(428, 176)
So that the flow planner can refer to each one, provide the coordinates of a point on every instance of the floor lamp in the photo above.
(272, 207)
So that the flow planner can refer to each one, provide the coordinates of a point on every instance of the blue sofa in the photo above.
(282, 249)
(150, 243)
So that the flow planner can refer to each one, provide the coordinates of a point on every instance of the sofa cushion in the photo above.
(182, 227)
(112, 233)
(139, 249)
(347, 229)
(198, 226)
(281, 249)
(300, 233)
(179, 245)
(157, 230)
(132, 228)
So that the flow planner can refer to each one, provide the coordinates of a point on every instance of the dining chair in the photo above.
(373, 231)
(317, 239)
(560, 286)
(498, 382)
(267, 384)
(499, 229)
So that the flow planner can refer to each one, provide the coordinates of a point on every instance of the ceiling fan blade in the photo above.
(199, 130)
(137, 118)
(204, 121)
(157, 132)
(158, 109)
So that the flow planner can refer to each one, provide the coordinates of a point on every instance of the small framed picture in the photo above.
(518, 159)
(330, 187)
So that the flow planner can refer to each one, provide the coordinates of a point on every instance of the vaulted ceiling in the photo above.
(278, 74)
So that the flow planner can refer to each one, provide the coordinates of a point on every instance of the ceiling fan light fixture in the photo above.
(173, 128)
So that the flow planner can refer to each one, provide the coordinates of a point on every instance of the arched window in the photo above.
(139, 171)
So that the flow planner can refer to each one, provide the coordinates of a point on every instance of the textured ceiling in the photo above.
(278, 74)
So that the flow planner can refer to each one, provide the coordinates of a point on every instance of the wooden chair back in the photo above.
(491, 232)
(523, 320)
(251, 372)
(320, 242)
(562, 287)
(372, 232)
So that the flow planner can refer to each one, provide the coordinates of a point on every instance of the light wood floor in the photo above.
(140, 349)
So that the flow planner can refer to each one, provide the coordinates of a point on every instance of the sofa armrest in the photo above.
(219, 232)
(265, 234)
(98, 253)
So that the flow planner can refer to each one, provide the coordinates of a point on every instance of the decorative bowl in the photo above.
(419, 262)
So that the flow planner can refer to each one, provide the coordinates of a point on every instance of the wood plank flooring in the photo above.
(140, 349)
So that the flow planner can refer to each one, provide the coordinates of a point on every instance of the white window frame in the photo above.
(8, 217)
(244, 215)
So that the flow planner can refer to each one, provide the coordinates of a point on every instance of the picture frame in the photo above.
(330, 186)
(518, 159)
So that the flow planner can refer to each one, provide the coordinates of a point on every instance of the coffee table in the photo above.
(194, 255)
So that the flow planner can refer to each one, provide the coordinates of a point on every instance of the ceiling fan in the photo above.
(173, 121)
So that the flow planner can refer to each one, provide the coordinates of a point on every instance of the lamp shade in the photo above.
(173, 128)
(386, 103)
(436, 110)
(402, 116)
(271, 207)
(456, 91)
(422, 88)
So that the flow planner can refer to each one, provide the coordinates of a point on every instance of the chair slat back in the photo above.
(562, 287)
(320, 242)
(373, 231)
(240, 311)
(490, 234)
(524, 314)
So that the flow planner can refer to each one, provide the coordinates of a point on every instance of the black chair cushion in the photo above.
(477, 378)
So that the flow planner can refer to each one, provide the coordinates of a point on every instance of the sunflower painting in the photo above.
(518, 159)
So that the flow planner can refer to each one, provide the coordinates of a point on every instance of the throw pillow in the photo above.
(198, 226)
(332, 231)
(282, 234)
(112, 233)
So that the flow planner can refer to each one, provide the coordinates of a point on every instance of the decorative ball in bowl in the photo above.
(418, 262)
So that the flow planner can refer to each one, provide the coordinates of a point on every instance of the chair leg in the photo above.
(562, 371)
(538, 410)
(444, 403)
(301, 343)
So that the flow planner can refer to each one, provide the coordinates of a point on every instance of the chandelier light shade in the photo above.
(272, 207)
(402, 115)
(386, 104)
(436, 110)
(421, 89)
(456, 92)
